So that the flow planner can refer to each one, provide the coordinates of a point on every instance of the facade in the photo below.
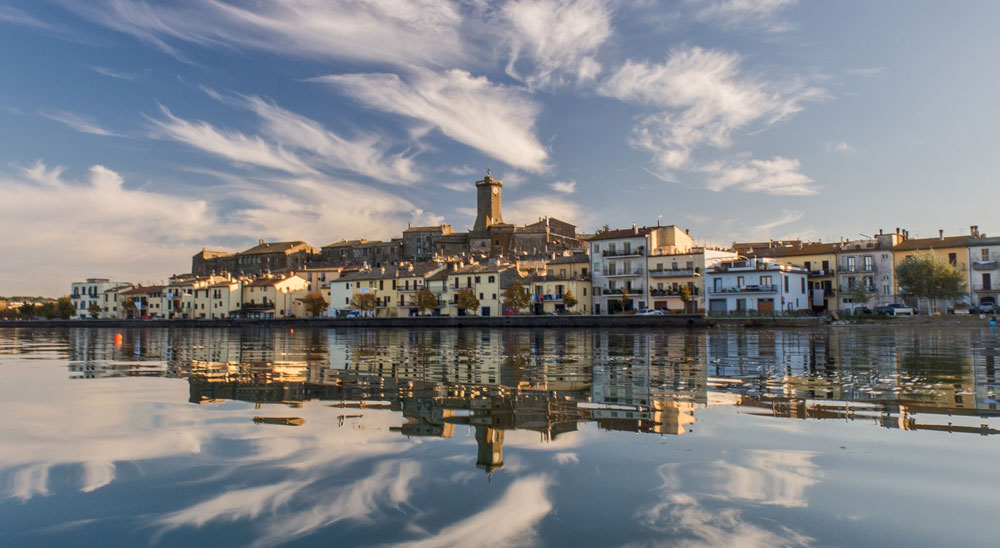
(421, 243)
(667, 272)
(147, 300)
(560, 277)
(319, 279)
(620, 258)
(273, 297)
(275, 256)
(953, 249)
(817, 258)
(984, 270)
(86, 294)
(866, 271)
(759, 286)
(218, 301)
(486, 281)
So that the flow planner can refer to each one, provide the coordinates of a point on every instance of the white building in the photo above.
(667, 272)
(90, 293)
(866, 268)
(984, 270)
(756, 285)
(620, 257)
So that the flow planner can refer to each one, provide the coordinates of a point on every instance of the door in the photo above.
(765, 306)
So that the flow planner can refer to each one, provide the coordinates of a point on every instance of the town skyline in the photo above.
(137, 133)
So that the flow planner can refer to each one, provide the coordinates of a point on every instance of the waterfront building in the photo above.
(273, 297)
(486, 281)
(409, 280)
(561, 275)
(219, 300)
(146, 300)
(817, 258)
(866, 272)
(319, 278)
(984, 270)
(620, 260)
(89, 293)
(759, 286)
(953, 249)
(669, 270)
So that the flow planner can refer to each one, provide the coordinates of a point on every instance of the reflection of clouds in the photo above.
(509, 521)
(691, 525)
(566, 458)
(766, 477)
(234, 505)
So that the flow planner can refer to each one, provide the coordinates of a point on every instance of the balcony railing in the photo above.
(746, 289)
(986, 265)
(822, 272)
(671, 292)
(859, 269)
(986, 288)
(634, 272)
(674, 272)
(618, 291)
(637, 252)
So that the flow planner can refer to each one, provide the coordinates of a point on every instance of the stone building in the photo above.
(263, 258)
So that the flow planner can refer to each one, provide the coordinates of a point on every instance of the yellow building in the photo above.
(219, 300)
(486, 281)
(669, 270)
(953, 249)
(274, 297)
(561, 276)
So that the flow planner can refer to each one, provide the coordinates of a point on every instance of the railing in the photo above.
(624, 253)
(674, 272)
(694, 291)
(986, 287)
(634, 272)
(746, 289)
(404, 289)
(618, 291)
(859, 269)
(823, 272)
(986, 265)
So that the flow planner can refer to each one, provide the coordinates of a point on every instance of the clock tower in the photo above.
(487, 202)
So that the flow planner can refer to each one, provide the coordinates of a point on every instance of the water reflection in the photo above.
(301, 431)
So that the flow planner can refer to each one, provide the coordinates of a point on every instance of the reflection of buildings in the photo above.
(549, 381)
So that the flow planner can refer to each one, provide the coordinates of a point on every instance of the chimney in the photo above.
(634, 229)
(941, 233)
(687, 231)
(897, 230)
(260, 241)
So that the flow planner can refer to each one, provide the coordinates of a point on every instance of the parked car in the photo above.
(986, 308)
(651, 312)
(895, 310)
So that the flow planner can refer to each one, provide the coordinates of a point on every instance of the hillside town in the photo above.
(547, 267)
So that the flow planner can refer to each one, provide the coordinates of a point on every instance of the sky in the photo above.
(134, 133)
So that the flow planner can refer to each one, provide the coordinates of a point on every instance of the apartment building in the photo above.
(984, 269)
(759, 286)
(668, 272)
(273, 297)
(86, 294)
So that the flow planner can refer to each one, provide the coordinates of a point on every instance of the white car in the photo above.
(652, 312)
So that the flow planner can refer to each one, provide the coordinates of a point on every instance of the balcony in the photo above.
(986, 288)
(637, 252)
(675, 272)
(633, 292)
(986, 265)
(671, 292)
(821, 272)
(412, 289)
(746, 289)
(859, 269)
(635, 272)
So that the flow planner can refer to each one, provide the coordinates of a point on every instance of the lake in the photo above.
(832, 436)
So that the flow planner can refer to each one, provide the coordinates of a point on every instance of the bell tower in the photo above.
(488, 202)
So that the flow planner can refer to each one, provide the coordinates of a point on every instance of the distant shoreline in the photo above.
(438, 322)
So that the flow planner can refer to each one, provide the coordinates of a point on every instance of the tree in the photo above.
(569, 299)
(685, 294)
(625, 299)
(64, 308)
(130, 309)
(927, 276)
(515, 298)
(426, 300)
(27, 310)
(94, 310)
(860, 296)
(365, 302)
(466, 300)
(315, 304)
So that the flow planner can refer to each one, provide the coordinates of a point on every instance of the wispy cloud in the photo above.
(533, 208)
(864, 71)
(111, 73)
(566, 187)
(10, 14)
(763, 14)
(776, 176)
(424, 32)
(79, 123)
(495, 119)
(839, 146)
(786, 218)
(556, 38)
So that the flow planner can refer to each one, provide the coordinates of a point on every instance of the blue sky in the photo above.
(136, 133)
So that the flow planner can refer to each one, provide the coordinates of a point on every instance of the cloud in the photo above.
(786, 218)
(764, 14)
(522, 506)
(531, 209)
(424, 32)
(864, 71)
(776, 176)
(111, 73)
(233, 145)
(556, 38)
(234, 505)
(566, 187)
(840, 146)
(79, 123)
(566, 458)
(17, 16)
(495, 119)
(165, 227)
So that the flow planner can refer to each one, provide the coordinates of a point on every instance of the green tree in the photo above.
(27, 310)
(515, 298)
(130, 309)
(569, 299)
(94, 310)
(315, 304)
(625, 300)
(64, 308)
(425, 300)
(860, 296)
(927, 276)
(466, 300)
(365, 302)
(685, 294)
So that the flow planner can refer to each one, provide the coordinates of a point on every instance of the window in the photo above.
(611, 269)
(481, 296)
(826, 266)
(494, 296)
(807, 265)
(952, 259)
(477, 279)
(628, 267)
(765, 281)
(984, 254)
(659, 266)
(786, 283)
(597, 249)
(562, 272)
(803, 285)
(585, 292)
(611, 248)
(869, 263)
(850, 264)
(491, 279)
(717, 285)
(739, 281)
(628, 247)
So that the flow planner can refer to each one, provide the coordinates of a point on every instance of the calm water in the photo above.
(827, 437)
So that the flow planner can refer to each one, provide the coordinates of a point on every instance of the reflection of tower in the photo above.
(488, 202)
(490, 442)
